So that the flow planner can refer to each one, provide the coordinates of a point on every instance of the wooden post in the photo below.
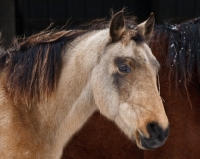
(7, 21)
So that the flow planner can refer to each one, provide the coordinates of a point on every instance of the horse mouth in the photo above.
(140, 143)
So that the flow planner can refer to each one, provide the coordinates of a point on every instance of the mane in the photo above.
(33, 64)
(183, 57)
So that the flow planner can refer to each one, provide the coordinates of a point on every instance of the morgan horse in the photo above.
(53, 81)
(177, 48)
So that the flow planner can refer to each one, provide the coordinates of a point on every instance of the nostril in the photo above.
(157, 136)
(152, 126)
(156, 132)
(154, 129)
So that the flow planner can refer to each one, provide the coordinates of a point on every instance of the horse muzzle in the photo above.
(157, 137)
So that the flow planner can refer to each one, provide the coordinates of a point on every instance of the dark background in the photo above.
(25, 17)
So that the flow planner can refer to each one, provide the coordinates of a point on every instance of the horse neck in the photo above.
(73, 103)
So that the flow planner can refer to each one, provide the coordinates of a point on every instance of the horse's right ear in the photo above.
(117, 26)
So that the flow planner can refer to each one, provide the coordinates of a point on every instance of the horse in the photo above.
(53, 81)
(176, 47)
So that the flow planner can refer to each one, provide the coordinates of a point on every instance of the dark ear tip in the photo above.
(120, 13)
(151, 16)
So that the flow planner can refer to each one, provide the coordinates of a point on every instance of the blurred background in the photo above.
(25, 17)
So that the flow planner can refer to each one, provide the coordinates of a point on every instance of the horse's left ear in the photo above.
(117, 26)
(146, 28)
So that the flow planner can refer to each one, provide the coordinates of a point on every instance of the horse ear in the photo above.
(146, 28)
(117, 26)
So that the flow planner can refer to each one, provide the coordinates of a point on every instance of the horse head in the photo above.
(125, 84)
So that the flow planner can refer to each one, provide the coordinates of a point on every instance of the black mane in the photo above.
(33, 65)
(183, 57)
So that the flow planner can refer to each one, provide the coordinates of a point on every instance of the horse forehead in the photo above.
(144, 52)
(139, 51)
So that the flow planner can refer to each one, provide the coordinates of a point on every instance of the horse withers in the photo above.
(53, 81)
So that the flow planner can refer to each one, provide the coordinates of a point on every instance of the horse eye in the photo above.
(124, 69)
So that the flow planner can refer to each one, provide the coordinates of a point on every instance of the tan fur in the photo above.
(85, 84)
(127, 35)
